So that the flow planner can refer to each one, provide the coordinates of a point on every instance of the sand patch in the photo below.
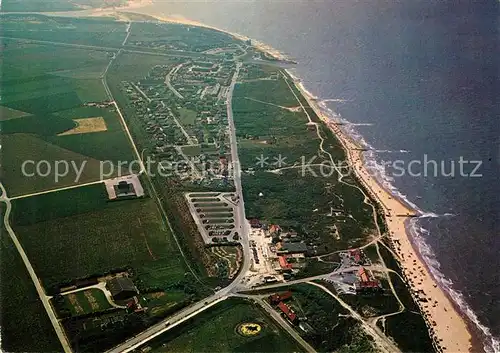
(86, 126)
(7, 113)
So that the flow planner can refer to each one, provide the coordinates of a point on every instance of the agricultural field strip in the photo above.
(96, 47)
(58, 189)
(41, 293)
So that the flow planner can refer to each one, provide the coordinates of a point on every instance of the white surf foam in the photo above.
(418, 234)
(336, 100)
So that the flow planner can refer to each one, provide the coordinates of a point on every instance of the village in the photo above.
(183, 110)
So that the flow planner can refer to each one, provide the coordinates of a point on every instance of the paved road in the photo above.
(381, 340)
(169, 84)
(41, 293)
(240, 217)
(285, 325)
(221, 295)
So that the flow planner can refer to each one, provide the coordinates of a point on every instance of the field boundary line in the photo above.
(41, 293)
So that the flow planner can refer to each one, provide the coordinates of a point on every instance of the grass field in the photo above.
(215, 331)
(271, 137)
(40, 104)
(18, 148)
(97, 237)
(187, 117)
(25, 326)
(86, 302)
(88, 31)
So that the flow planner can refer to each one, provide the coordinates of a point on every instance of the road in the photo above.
(240, 221)
(41, 293)
(129, 25)
(169, 84)
(380, 339)
(240, 217)
(285, 325)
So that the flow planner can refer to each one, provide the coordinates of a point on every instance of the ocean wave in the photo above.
(435, 215)
(336, 100)
(391, 151)
(417, 232)
(360, 124)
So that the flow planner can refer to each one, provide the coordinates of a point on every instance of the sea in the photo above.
(417, 82)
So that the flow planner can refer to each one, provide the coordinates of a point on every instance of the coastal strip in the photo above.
(446, 324)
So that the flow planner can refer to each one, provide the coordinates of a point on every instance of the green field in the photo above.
(44, 90)
(97, 238)
(188, 38)
(86, 302)
(187, 117)
(18, 148)
(215, 331)
(87, 31)
(25, 326)
(269, 134)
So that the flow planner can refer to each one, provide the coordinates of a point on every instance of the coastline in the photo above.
(445, 322)
(450, 329)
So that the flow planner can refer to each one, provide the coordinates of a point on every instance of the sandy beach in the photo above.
(447, 326)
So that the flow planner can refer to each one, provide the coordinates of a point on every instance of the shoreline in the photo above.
(451, 330)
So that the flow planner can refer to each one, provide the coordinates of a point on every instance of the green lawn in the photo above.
(215, 331)
(86, 302)
(98, 238)
(187, 117)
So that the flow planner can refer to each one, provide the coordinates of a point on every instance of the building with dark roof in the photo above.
(288, 247)
(276, 298)
(121, 288)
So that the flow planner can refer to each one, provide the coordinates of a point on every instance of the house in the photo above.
(273, 228)
(284, 265)
(121, 288)
(288, 312)
(255, 223)
(363, 276)
(276, 298)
